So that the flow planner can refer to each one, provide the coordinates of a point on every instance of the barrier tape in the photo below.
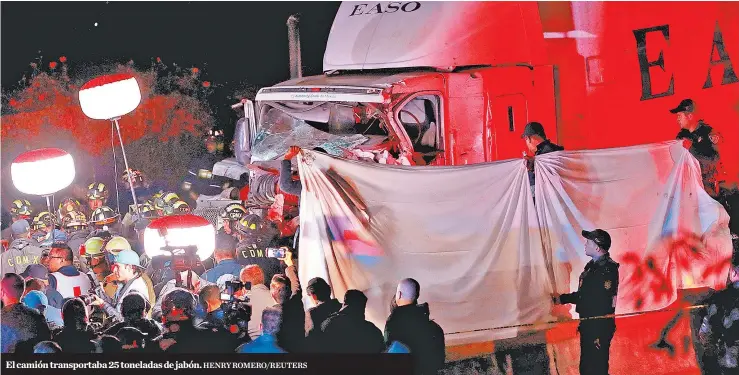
(580, 319)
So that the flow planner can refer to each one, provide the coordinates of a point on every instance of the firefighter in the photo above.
(75, 224)
(595, 301)
(97, 196)
(69, 205)
(702, 142)
(255, 236)
(200, 179)
(97, 264)
(146, 210)
(230, 215)
(537, 143)
(43, 222)
(161, 200)
(179, 207)
(104, 219)
(21, 209)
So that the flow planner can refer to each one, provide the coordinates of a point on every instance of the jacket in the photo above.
(411, 326)
(598, 289)
(720, 328)
(287, 184)
(347, 331)
(21, 253)
(262, 344)
(542, 148)
(315, 316)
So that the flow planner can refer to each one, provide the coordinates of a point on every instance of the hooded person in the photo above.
(23, 251)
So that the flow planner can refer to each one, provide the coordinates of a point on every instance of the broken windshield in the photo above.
(335, 127)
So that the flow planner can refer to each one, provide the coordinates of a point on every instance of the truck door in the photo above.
(505, 119)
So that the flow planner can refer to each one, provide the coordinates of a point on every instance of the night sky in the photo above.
(233, 43)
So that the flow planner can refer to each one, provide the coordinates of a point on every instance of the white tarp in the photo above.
(487, 257)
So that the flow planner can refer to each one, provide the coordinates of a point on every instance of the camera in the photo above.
(231, 288)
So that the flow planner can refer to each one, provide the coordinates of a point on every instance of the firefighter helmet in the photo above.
(249, 224)
(233, 212)
(116, 244)
(75, 220)
(97, 190)
(160, 200)
(103, 216)
(44, 219)
(181, 207)
(148, 211)
(93, 247)
(69, 205)
(21, 207)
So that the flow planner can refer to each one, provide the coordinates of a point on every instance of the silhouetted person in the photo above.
(180, 333)
(347, 331)
(47, 347)
(134, 308)
(108, 344)
(292, 331)
(409, 323)
(132, 340)
(720, 329)
(21, 327)
(76, 335)
(320, 292)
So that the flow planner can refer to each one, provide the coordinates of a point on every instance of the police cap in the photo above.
(686, 105)
(600, 237)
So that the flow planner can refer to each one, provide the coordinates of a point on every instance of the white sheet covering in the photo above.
(487, 257)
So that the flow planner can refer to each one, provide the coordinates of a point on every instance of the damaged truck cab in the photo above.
(447, 83)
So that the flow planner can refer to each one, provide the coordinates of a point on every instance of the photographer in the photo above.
(134, 309)
(184, 279)
(180, 333)
(77, 333)
(259, 297)
(126, 270)
(210, 300)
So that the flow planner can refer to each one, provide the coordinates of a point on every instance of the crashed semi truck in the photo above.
(446, 84)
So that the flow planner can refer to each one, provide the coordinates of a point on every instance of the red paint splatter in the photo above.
(52, 65)
(41, 97)
(13, 102)
(159, 59)
(195, 70)
(206, 84)
(63, 59)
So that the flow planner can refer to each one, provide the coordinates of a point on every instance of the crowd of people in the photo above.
(79, 280)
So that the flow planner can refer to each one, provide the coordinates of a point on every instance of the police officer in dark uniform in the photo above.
(537, 144)
(595, 297)
(702, 141)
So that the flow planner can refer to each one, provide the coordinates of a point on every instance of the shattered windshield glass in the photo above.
(279, 130)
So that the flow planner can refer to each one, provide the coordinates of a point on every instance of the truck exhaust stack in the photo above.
(293, 37)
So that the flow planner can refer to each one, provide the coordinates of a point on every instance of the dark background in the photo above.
(234, 44)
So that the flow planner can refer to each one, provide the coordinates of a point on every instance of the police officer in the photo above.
(720, 329)
(595, 298)
(537, 144)
(702, 142)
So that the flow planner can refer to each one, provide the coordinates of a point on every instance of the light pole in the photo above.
(108, 98)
